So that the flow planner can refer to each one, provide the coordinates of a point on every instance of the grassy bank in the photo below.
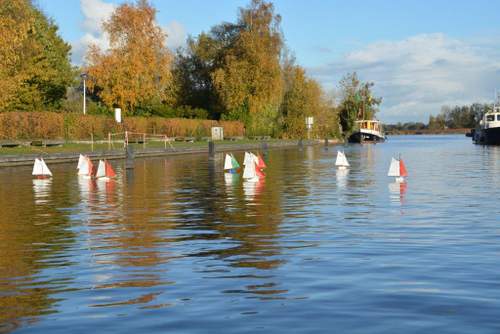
(74, 147)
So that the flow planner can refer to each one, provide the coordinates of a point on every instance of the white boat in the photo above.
(397, 169)
(367, 131)
(341, 161)
(40, 169)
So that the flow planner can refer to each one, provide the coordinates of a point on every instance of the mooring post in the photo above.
(326, 144)
(144, 141)
(301, 144)
(109, 141)
(129, 154)
(211, 149)
(92, 142)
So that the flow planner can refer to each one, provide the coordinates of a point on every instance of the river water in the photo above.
(176, 246)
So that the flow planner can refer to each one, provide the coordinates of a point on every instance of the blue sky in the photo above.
(420, 54)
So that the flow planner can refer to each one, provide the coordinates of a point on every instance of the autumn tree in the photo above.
(34, 61)
(249, 82)
(136, 69)
(357, 102)
(304, 97)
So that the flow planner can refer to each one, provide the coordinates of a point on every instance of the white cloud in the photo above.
(176, 35)
(418, 75)
(95, 12)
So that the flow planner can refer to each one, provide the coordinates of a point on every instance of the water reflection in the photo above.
(41, 189)
(177, 243)
(397, 191)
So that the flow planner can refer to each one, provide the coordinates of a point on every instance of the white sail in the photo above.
(101, 169)
(341, 160)
(84, 167)
(45, 169)
(228, 163)
(255, 159)
(249, 171)
(40, 168)
(248, 159)
(81, 161)
(394, 168)
(37, 167)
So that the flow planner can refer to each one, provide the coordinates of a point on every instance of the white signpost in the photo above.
(118, 115)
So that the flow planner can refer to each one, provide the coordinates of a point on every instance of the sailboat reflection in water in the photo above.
(41, 190)
(397, 191)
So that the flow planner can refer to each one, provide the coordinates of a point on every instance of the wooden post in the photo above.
(165, 141)
(92, 142)
(125, 141)
(144, 141)
(109, 141)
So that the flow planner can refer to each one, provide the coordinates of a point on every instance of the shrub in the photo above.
(73, 126)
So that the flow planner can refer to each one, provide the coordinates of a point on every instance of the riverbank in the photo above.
(23, 156)
(428, 132)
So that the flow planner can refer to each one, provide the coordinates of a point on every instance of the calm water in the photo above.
(175, 246)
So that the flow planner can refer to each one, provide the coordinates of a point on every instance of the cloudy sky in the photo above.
(420, 54)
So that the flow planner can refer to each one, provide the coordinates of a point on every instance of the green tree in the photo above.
(34, 61)
(249, 83)
(357, 102)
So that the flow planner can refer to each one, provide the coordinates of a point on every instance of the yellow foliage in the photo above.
(137, 67)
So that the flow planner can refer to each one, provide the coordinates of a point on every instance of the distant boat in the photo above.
(341, 161)
(368, 131)
(105, 170)
(40, 169)
(231, 164)
(488, 131)
(398, 170)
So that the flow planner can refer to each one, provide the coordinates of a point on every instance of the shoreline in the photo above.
(65, 157)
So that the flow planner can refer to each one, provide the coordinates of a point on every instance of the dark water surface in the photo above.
(174, 246)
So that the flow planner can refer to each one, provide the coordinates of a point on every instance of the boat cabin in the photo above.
(491, 119)
(369, 125)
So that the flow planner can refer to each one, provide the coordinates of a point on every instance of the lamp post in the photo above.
(84, 76)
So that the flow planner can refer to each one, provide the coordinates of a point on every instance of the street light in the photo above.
(84, 76)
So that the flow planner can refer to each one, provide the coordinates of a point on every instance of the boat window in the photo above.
(490, 118)
(498, 117)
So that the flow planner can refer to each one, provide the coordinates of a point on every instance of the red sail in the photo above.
(261, 164)
(109, 170)
(259, 172)
(402, 168)
(92, 169)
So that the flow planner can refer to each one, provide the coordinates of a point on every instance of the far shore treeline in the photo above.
(460, 118)
(239, 73)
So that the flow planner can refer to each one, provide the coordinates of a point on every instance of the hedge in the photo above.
(72, 126)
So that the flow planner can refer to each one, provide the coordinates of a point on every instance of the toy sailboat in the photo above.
(231, 164)
(40, 169)
(87, 168)
(341, 161)
(253, 167)
(105, 171)
(398, 170)
(81, 161)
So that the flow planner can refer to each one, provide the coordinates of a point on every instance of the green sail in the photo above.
(234, 162)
